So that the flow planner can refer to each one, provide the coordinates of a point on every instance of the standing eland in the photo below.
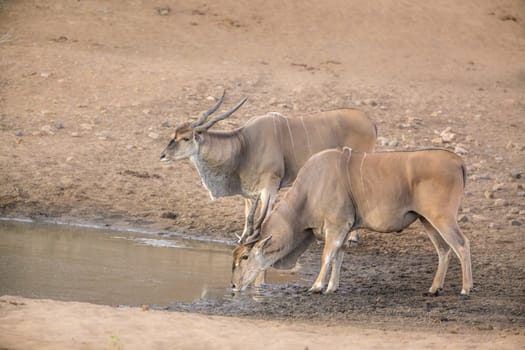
(266, 153)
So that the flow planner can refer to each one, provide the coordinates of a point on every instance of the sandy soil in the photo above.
(91, 90)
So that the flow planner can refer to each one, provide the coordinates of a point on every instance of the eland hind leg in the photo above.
(443, 251)
(449, 231)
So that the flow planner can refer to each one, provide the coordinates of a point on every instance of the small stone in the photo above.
(515, 173)
(370, 102)
(463, 218)
(485, 177)
(488, 194)
(153, 135)
(165, 124)
(514, 210)
(498, 187)
(436, 113)
(103, 138)
(500, 202)
(130, 147)
(476, 217)
(521, 213)
(146, 111)
(48, 129)
(515, 223)
(518, 186)
(382, 141)
(520, 194)
(437, 141)
(447, 135)
(19, 133)
(460, 149)
(58, 125)
(393, 143)
(164, 11)
(45, 74)
(75, 134)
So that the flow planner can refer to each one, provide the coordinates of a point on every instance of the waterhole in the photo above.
(74, 263)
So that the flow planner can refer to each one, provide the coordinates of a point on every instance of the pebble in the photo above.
(382, 141)
(130, 147)
(19, 133)
(488, 194)
(515, 223)
(48, 129)
(500, 202)
(520, 194)
(515, 174)
(393, 143)
(165, 124)
(498, 187)
(485, 177)
(476, 217)
(463, 218)
(75, 134)
(514, 210)
(153, 135)
(460, 149)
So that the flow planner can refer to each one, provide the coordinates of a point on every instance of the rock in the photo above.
(75, 134)
(521, 213)
(514, 210)
(393, 143)
(153, 135)
(476, 217)
(437, 141)
(463, 218)
(130, 147)
(485, 177)
(19, 133)
(436, 113)
(45, 74)
(460, 149)
(164, 11)
(498, 187)
(515, 173)
(58, 125)
(382, 141)
(500, 202)
(165, 124)
(515, 223)
(370, 102)
(488, 194)
(86, 126)
(447, 135)
(520, 194)
(48, 129)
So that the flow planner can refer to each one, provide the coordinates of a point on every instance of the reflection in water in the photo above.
(109, 267)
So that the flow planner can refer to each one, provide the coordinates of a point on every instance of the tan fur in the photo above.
(339, 191)
(267, 152)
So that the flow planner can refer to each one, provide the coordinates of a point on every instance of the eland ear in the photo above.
(198, 136)
(263, 243)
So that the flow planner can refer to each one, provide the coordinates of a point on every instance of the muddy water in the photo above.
(111, 267)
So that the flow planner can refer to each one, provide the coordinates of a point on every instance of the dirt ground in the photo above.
(90, 92)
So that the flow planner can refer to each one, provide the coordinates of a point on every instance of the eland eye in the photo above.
(244, 257)
(186, 139)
